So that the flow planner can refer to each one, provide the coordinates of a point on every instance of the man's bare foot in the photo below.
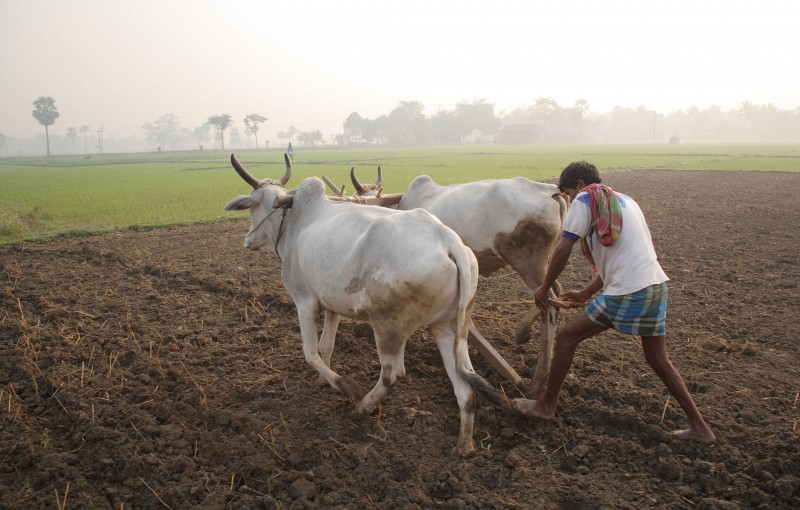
(529, 408)
(706, 437)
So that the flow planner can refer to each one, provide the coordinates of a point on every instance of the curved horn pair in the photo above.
(252, 181)
(360, 187)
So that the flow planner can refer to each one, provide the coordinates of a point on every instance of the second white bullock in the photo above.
(514, 222)
(401, 270)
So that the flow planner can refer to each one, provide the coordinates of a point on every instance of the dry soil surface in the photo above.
(163, 369)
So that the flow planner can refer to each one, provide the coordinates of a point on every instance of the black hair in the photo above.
(583, 170)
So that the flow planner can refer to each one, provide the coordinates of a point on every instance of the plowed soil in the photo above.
(163, 368)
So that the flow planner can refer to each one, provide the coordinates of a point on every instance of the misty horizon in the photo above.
(311, 64)
(109, 130)
(749, 121)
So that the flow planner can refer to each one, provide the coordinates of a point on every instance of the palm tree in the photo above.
(46, 113)
(578, 113)
(291, 132)
(84, 129)
(72, 134)
(747, 113)
(544, 108)
(221, 122)
(252, 122)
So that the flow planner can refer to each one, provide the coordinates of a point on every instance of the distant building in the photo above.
(520, 134)
(477, 136)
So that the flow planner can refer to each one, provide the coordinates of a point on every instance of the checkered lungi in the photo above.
(643, 313)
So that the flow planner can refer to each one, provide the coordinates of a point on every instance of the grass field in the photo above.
(74, 195)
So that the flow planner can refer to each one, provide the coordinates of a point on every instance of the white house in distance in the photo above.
(477, 136)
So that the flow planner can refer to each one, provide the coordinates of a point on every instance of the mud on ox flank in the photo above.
(506, 222)
(342, 258)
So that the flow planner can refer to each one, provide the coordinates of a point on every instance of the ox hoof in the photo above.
(350, 389)
(523, 336)
(702, 436)
(463, 450)
(362, 411)
(357, 415)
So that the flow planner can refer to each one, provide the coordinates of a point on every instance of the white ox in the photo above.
(400, 270)
(515, 222)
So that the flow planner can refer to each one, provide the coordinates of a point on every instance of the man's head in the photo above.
(577, 175)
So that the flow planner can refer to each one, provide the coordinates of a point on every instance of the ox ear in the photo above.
(241, 203)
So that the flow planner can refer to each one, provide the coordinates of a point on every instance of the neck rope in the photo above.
(280, 227)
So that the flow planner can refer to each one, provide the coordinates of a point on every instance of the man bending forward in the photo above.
(615, 238)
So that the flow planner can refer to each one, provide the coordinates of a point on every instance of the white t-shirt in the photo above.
(630, 264)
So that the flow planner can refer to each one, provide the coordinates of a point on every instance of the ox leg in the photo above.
(328, 338)
(311, 350)
(391, 348)
(539, 382)
(465, 395)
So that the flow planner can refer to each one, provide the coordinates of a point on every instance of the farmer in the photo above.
(614, 237)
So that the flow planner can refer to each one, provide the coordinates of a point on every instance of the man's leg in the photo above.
(566, 342)
(655, 352)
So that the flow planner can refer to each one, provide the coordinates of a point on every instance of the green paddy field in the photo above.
(77, 195)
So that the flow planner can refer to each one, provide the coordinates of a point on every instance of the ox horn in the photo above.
(379, 181)
(357, 185)
(288, 173)
(244, 174)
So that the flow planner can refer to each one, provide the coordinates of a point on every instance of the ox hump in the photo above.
(421, 180)
(312, 189)
(419, 185)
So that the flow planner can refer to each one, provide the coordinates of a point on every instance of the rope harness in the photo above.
(280, 227)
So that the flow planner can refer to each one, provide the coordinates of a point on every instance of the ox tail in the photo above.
(563, 206)
(468, 284)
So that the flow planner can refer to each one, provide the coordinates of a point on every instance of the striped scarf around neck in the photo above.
(606, 218)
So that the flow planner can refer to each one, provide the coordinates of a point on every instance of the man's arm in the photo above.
(585, 293)
(558, 261)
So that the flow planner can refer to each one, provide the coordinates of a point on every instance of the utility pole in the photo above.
(100, 138)
(654, 127)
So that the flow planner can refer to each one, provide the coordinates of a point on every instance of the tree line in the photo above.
(545, 121)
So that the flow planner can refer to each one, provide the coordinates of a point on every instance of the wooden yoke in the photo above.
(383, 200)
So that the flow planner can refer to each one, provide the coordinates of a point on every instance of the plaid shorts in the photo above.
(643, 313)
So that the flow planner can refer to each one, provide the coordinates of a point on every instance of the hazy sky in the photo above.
(310, 64)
